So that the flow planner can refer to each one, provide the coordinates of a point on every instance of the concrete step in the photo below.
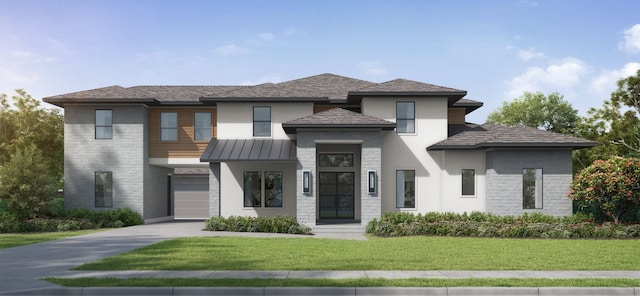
(339, 228)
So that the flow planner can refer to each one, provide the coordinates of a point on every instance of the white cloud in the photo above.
(266, 36)
(230, 49)
(373, 68)
(8, 76)
(31, 57)
(561, 77)
(271, 78)
(605, 83)
(631, 41)
(529, 54)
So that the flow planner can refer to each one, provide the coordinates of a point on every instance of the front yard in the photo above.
(400, 253)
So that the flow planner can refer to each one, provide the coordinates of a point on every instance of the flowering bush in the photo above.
(611, 186)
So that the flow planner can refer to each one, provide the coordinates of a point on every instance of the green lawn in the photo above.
(403, 253)
(414, 282)
(9, 240)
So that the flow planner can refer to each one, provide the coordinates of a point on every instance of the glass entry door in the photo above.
(337, 195)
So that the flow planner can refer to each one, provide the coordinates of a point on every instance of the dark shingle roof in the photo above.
(337, 118)
(327, 86)
(471, 136)
(318, 88)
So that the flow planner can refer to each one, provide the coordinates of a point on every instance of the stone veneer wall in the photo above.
(370, 205)
(504, 180)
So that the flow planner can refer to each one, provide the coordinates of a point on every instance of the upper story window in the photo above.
(104, 124)
(262, 121)
(532, 188)
(202, 126)
(168, 126)
(405, 117)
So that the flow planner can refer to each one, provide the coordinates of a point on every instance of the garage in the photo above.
(191, 196)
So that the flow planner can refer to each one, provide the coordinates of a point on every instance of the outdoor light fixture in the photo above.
(306, 181)
(373, 182)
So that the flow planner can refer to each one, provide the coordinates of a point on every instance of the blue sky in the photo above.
(495, 50)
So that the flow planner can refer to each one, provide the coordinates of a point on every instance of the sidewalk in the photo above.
(21, 269)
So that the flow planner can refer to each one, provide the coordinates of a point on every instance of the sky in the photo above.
(495, 50)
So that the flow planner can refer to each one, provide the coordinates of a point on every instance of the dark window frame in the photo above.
(257, 123)
(406, 204)
(196, 128)
(464, 192)
(169, 128)
(102, 191)
(404, 129)
(103, 127)
(530, 202)
(264, 200)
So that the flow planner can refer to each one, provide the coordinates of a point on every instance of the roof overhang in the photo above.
(214, 100)
(60, 102)
(452, 96)
(222, 150)
(293, 128)
(437, 147)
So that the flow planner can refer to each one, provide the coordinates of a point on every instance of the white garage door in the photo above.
(191, 196)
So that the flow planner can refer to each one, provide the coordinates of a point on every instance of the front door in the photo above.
(337, 195)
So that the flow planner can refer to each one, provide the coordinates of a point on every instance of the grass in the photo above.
(401, 253)
(365, 282)
(10, 240)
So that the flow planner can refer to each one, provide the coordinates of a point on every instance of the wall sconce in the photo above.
(306, 181)
(373, 182)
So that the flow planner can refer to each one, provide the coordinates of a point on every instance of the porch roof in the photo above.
(337, 118)
(249, 150)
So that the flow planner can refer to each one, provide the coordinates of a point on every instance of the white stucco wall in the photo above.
(408, 151)
(452, 199)
(235, 120)
(232, 193)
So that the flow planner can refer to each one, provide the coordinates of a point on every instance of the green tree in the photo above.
(23, 185)
(609, 186)
(550, 112)
(27, 124)
(615, 126)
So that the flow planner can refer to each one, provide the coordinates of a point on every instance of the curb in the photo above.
(311, 291)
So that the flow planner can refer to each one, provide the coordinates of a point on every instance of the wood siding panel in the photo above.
(456, 116)
(185, 147)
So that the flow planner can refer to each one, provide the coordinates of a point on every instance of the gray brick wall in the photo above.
(504, 180)
(124, 155)
(370, 205)
(214, 189)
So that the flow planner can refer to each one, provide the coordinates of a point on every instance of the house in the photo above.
(324, 148)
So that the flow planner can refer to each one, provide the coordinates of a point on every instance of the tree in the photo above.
(615, 126)
(551, 113)
(28, 124)
(23, 185)
(611, 186)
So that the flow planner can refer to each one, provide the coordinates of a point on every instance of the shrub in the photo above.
(609, 186)
(277, 224)
(487, 225)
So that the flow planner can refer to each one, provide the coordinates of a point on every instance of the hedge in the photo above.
(479, 224)
(277, 224)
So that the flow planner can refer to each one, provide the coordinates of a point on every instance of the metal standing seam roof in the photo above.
(249, 150)
(488, 135)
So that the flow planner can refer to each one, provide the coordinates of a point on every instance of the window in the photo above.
(405, 117)
(262, 189)
(168, 126)
(262, 121)
(468, 182)
(104, 124)
(406, 189)
(532, 188)
(103, 190)
(340, 160)
(202, 126)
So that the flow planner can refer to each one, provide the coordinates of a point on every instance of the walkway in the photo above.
(21, 269)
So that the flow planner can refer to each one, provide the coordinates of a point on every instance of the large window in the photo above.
(335, 160)
(104, 124)
(468, 182)
(103, 190)
(202, 126)
(406, 117)
(262, 121)
(405, 189)
(532, 188)
(262, 189)
(168, 126)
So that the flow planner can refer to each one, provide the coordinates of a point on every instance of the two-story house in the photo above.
(322, 148)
